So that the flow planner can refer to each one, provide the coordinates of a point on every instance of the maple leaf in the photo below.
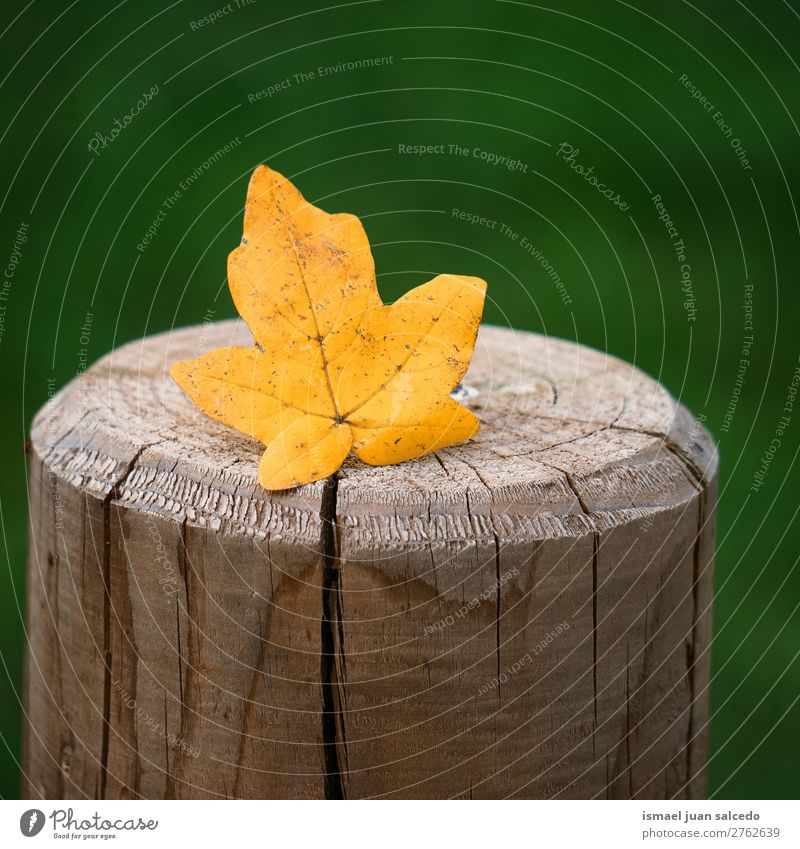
(333, 370)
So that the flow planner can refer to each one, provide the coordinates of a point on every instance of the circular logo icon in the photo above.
(31, 822)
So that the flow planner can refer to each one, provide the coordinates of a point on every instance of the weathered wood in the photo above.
(527, 615)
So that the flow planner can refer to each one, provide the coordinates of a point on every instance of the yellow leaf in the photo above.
(333, 370)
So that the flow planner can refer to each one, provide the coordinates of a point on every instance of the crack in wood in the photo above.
(595, 552)
(628, 714)
(333, 787)
(112, 495)
(497, 606)
(691, 732)
(595, 547)
(184, 669)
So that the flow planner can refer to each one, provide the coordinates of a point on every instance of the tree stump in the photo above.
(526, 615)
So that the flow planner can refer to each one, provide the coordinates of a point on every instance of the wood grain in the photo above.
(526, 615)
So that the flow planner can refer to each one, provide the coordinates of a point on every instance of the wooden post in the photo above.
(527, 615)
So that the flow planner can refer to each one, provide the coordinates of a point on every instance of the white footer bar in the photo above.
(387, 824)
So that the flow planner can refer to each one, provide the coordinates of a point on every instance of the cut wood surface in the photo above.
(526, 615)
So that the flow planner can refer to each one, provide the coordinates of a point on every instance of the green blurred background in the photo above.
(510, 78)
